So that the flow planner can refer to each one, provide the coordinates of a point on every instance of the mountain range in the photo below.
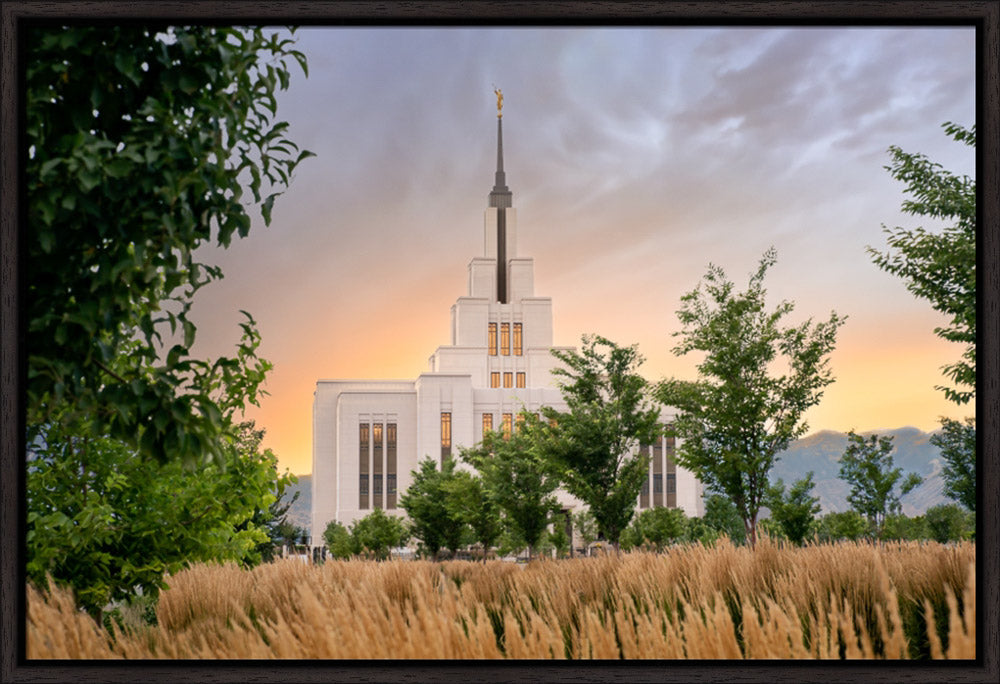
(300, 512)
(819, 453)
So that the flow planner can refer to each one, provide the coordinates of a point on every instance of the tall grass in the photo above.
(899, 600)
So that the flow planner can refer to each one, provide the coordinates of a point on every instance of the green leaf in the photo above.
(265, 208)
(301, 59)
(189, 333)
(46, 239)
(48, 167)
(175, 354)
(118, 168)
(89, 179)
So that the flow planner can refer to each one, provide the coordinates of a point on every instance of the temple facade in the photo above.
(368, 435)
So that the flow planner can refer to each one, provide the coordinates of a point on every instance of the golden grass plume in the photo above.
(849, 600)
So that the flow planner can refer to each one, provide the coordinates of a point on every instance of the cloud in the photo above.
(636, 157)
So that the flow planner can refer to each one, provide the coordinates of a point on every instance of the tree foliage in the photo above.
(699, 532)
(939, 267)
(722, 516)
(273, 518)
(139, 147)
(467, 498)
(593, 443)
(105, 522)
(378, 533)
(375, 535)
(842, 526)
(957, 443)
(949, 523)
(657, 528)
(519, 480)
(281, 533)
(339, 541)
(867, 467)
(585, 525)
(432, 520)
(559, 536)
(795, 511)
(899, 527)
(739, 415)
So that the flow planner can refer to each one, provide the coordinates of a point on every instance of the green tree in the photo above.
(957, 443)
(282, 534)
(698, 531)
(845, 525)
(585, 526)
(631, 537)
(378, 533)
(432, 520)
(558, 537)
(795, 511)
(594, 443)
(519, 480)
(273, 519)
(939, 267)
(772, 528)
(903, 528)
(106, 522)
(722, 516)
(468, 499)
(740, 414)
(339, 541)
(139, 147)
(867, 467)
(949, 522)
(657, 527)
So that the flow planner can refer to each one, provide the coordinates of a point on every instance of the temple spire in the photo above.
(500, 197)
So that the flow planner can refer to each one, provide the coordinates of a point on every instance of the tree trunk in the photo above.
(750, 525)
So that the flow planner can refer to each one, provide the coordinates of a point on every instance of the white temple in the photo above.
(368, 435)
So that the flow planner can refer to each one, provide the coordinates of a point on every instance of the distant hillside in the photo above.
(300, 512)
(821, 454)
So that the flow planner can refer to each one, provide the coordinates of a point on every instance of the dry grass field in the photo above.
(899, 600)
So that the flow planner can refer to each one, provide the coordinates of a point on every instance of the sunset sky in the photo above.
(636, 157)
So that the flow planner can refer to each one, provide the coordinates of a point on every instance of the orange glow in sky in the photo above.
(884, 380)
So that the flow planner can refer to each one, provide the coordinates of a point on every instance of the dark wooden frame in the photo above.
(15, 14)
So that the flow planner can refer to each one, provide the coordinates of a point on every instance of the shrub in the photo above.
(378, 533)
(339, 540)
(949, 522)
(657, 527)
(848, 525)
(901, 528)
